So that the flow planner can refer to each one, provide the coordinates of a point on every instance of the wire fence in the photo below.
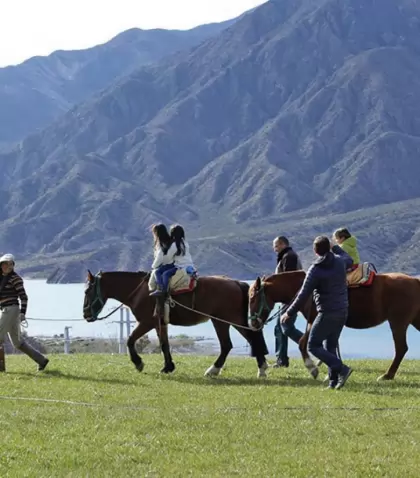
(65, 343)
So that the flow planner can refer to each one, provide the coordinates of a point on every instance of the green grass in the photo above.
(128, 424)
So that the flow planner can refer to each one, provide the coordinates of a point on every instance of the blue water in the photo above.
(64, 302)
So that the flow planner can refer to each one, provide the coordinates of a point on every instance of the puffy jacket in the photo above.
(327, 279)
(350, 246)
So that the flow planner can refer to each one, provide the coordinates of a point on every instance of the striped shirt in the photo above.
(12, 290)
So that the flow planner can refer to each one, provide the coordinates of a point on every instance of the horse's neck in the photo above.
(124, 288)
(284, 287)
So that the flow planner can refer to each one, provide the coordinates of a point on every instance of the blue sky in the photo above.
(39, 27)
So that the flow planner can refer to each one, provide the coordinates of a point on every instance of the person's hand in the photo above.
(22, 317)
(284, 318)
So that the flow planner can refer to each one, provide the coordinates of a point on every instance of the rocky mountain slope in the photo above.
(39, 90)
(300, 117)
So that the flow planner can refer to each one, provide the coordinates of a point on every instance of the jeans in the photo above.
(327, 327)
(284, 331)
(163, 274)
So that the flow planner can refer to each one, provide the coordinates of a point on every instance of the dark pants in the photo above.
(163, 274)
(327, 327)
(282, 332)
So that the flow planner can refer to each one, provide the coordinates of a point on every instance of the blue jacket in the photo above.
(326, 278)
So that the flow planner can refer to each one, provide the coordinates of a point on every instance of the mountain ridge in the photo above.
(40, 89)
(297, 110)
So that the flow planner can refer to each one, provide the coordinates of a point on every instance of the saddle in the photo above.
(361, 275)
(182, 282)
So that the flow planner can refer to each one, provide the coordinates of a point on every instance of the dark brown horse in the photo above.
(225, 300)
(391, 297)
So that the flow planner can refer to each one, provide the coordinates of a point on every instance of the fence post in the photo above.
(66, 340)
(121, 340)
(2, 359)
(127, 323)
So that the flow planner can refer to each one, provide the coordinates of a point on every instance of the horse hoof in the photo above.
(168, 368)
(212, 371)
(314, 372)
(384, 377)
(262, 371)
(140, 367)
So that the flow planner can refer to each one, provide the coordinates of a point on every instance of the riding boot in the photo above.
(34, 355)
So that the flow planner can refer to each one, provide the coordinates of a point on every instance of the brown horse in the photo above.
(225, 300)
(391, 297)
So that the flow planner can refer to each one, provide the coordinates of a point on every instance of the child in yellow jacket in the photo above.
(348, 243)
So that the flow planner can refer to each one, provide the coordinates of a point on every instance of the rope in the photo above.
(173, 302)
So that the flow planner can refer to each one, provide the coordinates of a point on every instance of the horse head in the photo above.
(94, 300)
(260, 305)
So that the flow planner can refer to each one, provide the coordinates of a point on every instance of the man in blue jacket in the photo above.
(326, 279)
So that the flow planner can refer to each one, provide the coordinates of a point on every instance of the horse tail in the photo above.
(256, 339)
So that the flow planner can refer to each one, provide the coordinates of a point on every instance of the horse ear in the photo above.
(90, 276)
(258, 283)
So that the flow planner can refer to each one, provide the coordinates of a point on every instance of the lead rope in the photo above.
(173, 303)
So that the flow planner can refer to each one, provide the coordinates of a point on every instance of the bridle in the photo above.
(263, 307)
(98, 297)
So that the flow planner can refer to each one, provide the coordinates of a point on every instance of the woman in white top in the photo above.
(182, 258)
(164, 258)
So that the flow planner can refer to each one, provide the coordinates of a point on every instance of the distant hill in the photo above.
(39, 90)
(300, 117)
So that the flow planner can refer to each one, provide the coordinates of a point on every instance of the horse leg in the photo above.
(303, 347)
(258, 349)
(162, 332)
(141, 329)
(222, 332)
(399, 334)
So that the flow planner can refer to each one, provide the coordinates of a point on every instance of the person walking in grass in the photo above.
(326, 279)
(287, 260)
(12, 292)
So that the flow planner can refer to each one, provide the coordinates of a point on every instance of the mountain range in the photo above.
(296, 118)
(41, 89)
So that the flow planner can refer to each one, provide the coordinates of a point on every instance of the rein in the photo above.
(264, 306)
(99, 298)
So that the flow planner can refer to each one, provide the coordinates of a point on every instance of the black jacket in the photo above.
(327, 279)
(288, 260)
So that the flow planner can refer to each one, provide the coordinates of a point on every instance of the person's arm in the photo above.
(339, 251)
(23, 297)
(169, 257)
(158, 260)
(306, 290)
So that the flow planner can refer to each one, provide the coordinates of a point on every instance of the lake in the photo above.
(60, 305)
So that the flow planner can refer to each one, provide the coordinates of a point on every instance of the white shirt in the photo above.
(162, 259)
(182, 262)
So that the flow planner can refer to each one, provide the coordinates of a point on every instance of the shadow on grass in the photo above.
(47, 374)
(242, 381)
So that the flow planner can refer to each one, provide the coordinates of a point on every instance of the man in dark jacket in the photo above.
(326, 279)
(287, 260)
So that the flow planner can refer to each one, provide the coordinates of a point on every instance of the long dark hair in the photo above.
(161, 237)
(178, 236)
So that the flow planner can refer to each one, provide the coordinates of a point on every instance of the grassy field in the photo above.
(95, 416)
